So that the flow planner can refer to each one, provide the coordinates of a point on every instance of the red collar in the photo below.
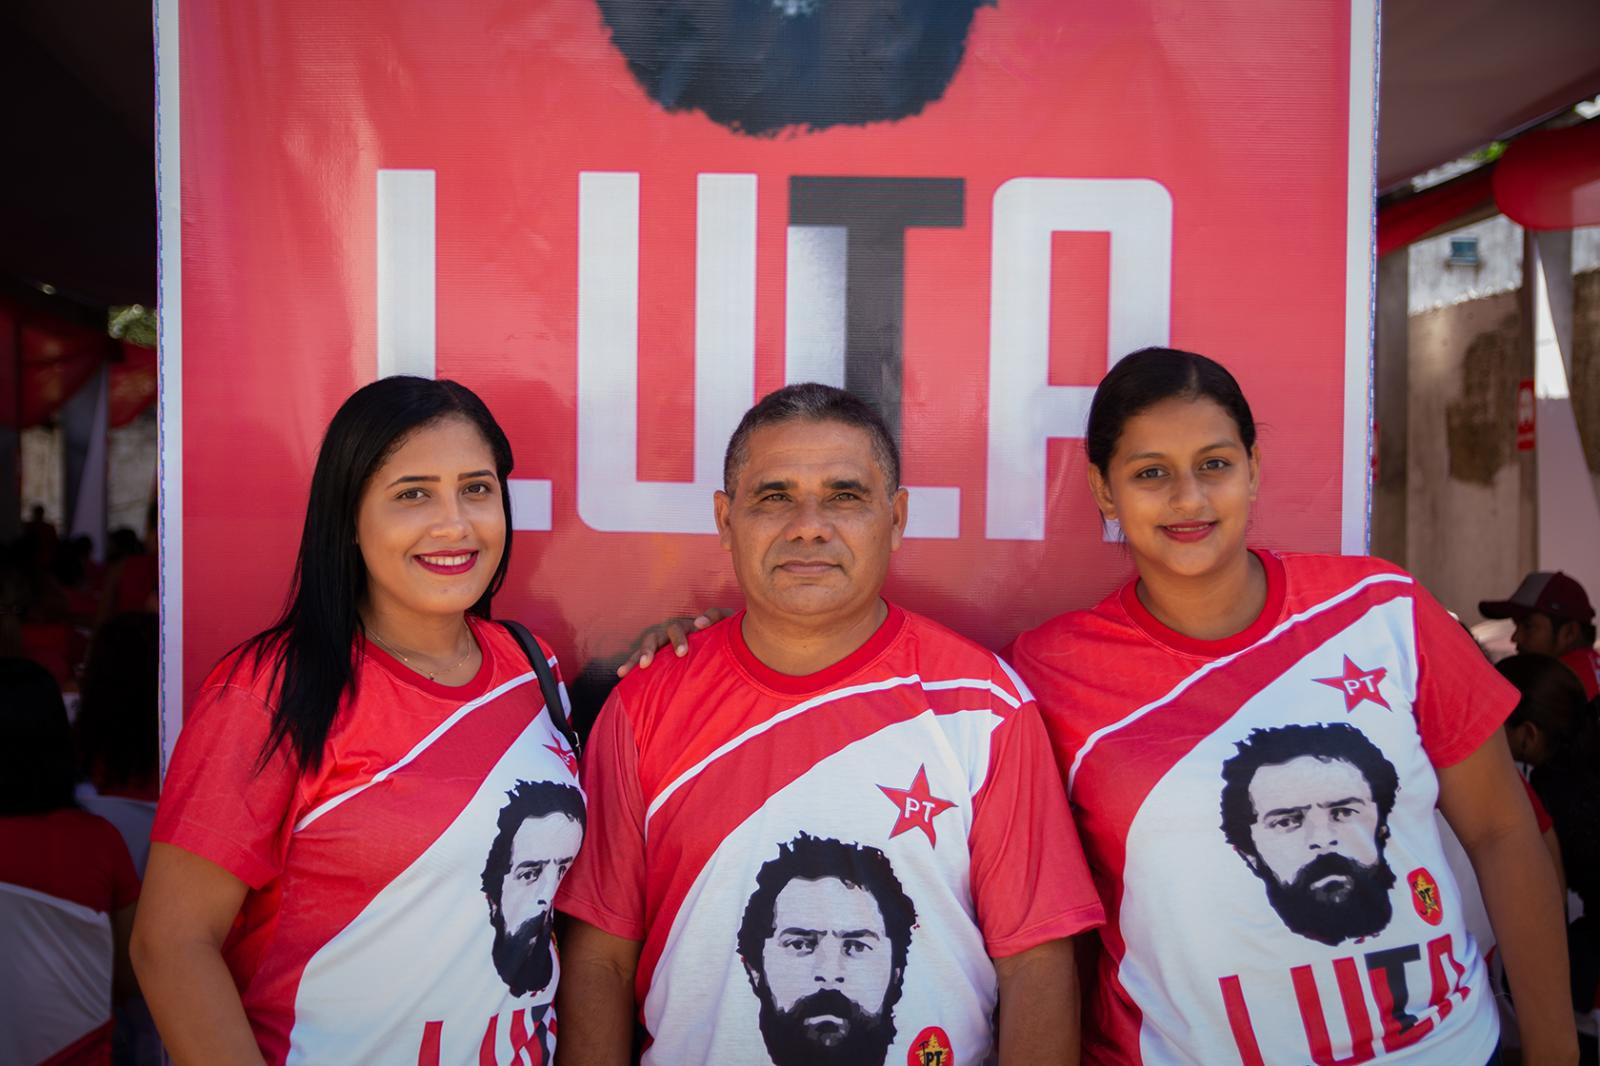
(1213, 649)
(828, 676)
(471, 690)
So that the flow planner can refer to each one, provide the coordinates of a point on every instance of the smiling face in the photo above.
(1180, 482)
(431, 527)
(811, 522)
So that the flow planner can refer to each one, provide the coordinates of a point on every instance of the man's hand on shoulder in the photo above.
(674, 631)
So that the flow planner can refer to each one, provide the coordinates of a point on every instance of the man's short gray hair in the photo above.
(812, 402)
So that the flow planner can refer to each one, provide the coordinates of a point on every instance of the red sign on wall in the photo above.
(621, 233)
(1527, 410)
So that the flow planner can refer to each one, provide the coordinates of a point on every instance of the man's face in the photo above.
(1535, 634)
(1318, 848)
(541, 852)
(1540, 634)
(811, 522)
(825, 975)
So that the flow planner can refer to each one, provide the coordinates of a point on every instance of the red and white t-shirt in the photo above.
(832, 858)
(1258, 813)
(400, 895)
(62, 875)
(1585, 662)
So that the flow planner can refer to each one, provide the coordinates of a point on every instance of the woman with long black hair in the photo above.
(1254, 744)
(370, 805)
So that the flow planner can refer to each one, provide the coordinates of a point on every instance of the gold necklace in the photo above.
(472, 646)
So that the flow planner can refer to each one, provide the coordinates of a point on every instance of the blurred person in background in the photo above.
(67, 888)
(118, 730)
(1554, 732)
(1553, 617)
(133, 574)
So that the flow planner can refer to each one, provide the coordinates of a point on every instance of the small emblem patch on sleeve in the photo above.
(1425, 896)
(931, 1048)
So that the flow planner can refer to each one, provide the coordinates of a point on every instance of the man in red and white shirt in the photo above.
(832, 831)
(1554, 618)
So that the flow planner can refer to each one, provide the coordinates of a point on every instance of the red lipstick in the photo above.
(433, 563)
(1189, 532)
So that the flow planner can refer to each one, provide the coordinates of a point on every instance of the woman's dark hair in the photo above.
(119, 717)
(1568, 781)
(1552, 697)
(37, 769)
(310, 644)
(1143, 379)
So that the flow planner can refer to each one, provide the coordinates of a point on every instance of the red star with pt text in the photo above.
(565, 755)
(917, 806)
(1358, 685)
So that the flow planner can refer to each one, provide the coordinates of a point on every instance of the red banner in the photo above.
(54, 357)
(622, 228)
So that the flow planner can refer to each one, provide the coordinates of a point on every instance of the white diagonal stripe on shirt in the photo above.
(421, 746)
(817, 701)
(1216, 664)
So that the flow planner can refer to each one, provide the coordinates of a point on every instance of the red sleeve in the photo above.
(1586, 665)
(1461, 699)
(1030, 883)
(214, 802)
(1044, 683)
(605, 886)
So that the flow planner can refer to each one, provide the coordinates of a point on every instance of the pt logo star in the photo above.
(565, 754)
(917, 806)
(1358, 685)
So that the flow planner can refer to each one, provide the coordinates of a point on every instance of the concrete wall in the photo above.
(1585, 249)
(1464, 478)
(1436, 282)
(1474, 522)
(1585, 373)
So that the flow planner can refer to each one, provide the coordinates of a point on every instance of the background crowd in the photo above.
(79, 776)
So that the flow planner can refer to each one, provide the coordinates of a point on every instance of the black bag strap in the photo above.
(547, 681)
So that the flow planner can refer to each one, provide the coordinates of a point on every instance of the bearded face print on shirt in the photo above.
(538, 834)
(824, 942)
(1307, 809)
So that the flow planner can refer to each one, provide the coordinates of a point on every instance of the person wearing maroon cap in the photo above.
(1553, 617)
